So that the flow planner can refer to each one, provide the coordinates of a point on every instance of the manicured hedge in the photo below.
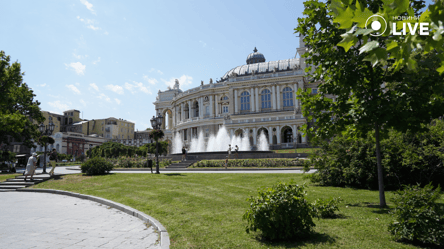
(259, 163)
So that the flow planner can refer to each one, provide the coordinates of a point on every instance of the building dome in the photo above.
(255, 57)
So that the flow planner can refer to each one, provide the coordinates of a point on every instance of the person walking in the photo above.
(183, 153)
(53, 160)
(229, 151)
(30, 167)
(237, 150)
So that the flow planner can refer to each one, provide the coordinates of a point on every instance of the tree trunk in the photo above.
(382, 202)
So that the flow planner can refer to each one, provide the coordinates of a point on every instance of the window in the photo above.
(287, 96)
(185, 134)
(314, 91)
(207, 110)
(245, 101)
(225, 98)
(225, 109)
(265, 99)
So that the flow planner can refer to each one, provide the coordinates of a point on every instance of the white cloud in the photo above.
(54, 96)
(77, 66)
(136, 87)
(88, 5)
(117, 101)
(203, 43)
(43, 85)
(83, 102)
(59, 105)
(93, 85)
(79, 56)
(74, 89)
(152, 81)
(184, 80)
(106, 33)
(104, 97)
(115, 88)
(97, 61)
(155, 70)
(92, 27)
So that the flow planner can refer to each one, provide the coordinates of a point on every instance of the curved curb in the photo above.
(163, 234)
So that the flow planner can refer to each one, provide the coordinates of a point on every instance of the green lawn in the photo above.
(301, 150)
(205, 210)
(4, 176)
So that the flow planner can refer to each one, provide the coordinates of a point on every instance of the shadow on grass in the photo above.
(419, 244)
(313, 239)
(174, 174)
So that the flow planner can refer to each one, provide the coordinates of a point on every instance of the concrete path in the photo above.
(40, 220)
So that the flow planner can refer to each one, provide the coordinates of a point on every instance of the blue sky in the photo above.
(110, 58)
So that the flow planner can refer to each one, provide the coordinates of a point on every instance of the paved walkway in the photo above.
(40, 220)
(64, 170)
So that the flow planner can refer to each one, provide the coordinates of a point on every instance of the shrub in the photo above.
(280, 213)
(96, 166)
(407, 158)
(326, 208)
(417, 215)
(269, 162)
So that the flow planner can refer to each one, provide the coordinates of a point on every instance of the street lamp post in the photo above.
(46, 130)
(156, 123)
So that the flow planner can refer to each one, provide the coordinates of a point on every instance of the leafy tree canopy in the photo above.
(18, 109)
(366, 97)
(352, 16)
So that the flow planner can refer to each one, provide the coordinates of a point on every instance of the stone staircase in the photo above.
(19, 182)
(181, 165)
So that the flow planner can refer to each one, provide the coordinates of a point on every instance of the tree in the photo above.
(19, 113)
(367, 97)
(352, 16)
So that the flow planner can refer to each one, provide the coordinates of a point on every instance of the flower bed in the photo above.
(256, 163)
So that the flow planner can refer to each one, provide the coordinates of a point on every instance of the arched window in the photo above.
(225, 98)
(265, 99)
(245, 101)
(287, 96)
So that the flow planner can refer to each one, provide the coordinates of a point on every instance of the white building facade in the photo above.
(255, 98)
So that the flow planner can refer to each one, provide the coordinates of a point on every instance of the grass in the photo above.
(205, 210)
(301, 150)
(4, 176)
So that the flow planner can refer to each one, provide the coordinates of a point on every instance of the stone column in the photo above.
(304, 138)
(211, 106)
(273, 97)
(254, 136)
(278, 134)
(236, 110)
(189, 109)
(295, 101)
(270, 135)
(182, 110)
(216, 109)
(253, 109)
(257, 99)
(278, 99)
(295, 133)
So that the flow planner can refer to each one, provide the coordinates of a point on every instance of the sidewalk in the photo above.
(40, 220)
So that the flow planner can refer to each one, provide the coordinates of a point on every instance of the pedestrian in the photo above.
(30, 167)
(226, 162)
(53, 160)
(186, 153)
(229, 151)
(237, 150)
(183, 153)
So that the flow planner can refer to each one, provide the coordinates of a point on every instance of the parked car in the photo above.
(64, 160)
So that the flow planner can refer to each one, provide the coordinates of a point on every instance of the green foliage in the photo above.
(151, 148)
(417, 215)
(326, 208)
(18, 109)
(115, 150)
(45, 140)
(280, 213)
(156, 134)
(7, 156)
(408, 158)
(61, 157)
(269, 163)
(81, 158)
(96, 166)
(400, 49)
